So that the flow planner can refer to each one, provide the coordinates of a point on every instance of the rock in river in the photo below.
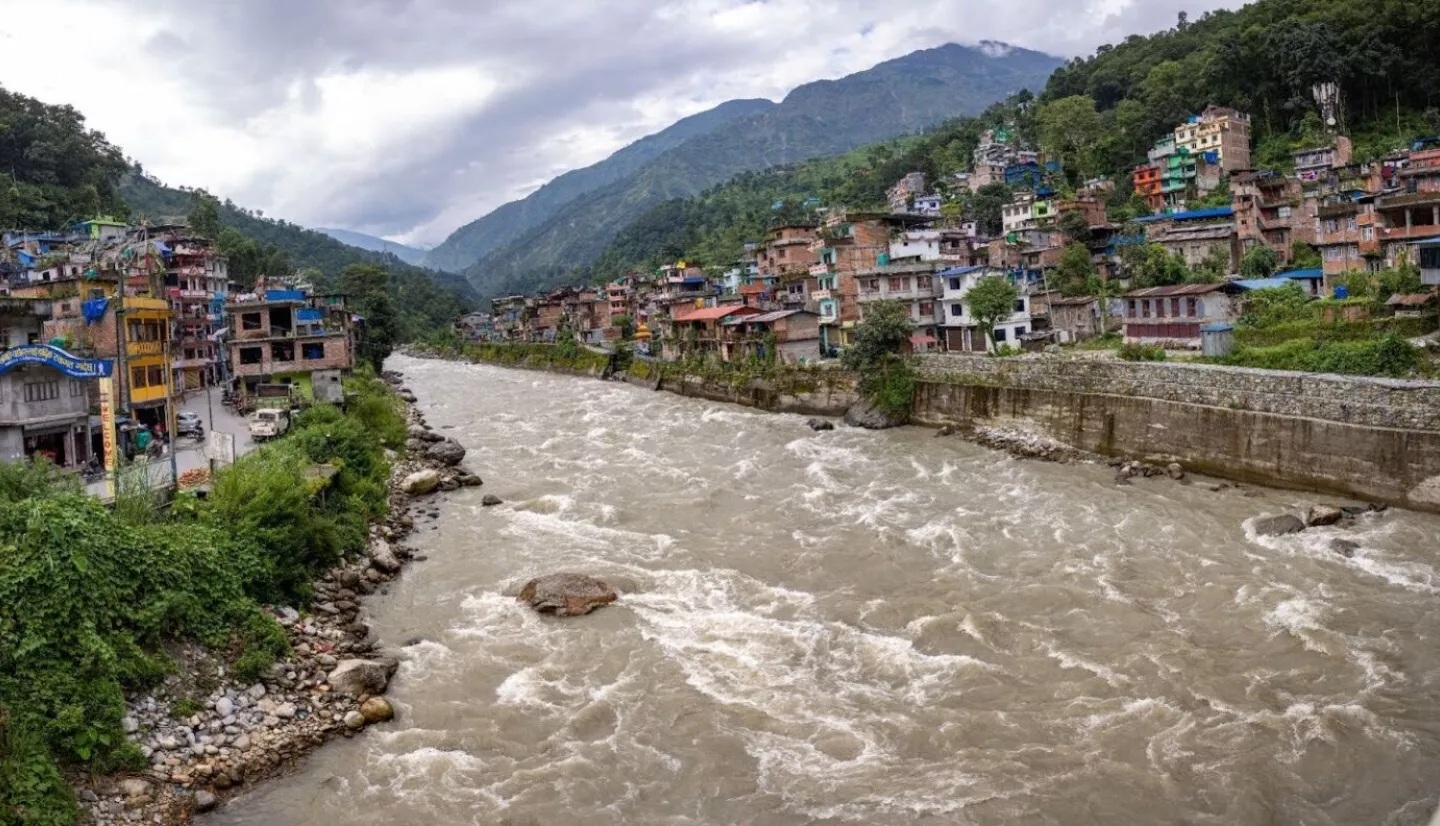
(566, 595)
(383, 558)
(356, 677)
(1322, 515)
(377, 710)
(1344, 547)
(448, 452)
(862, 414)
(820, 424)
(421, 482)
(1279, 525)
(490, 500)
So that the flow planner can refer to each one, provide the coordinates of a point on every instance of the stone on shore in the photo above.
(423, 433)
(377, 710)
(863, 414)
(421, 482)
(407, 396)
(383, 558)
(820, 425)
(1323, 515)
(205, 801)
(566, 595)
(447, 452)
(469, 480)
(354, 720)
(1175, 471)
(1279, 525)
(356, 677)
(490, 500)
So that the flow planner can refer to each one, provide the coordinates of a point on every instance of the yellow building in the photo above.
(147, 351)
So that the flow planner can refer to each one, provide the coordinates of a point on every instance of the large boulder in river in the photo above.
(357, 677)
(421, 482)
(566, 595)
(448, 452)
(1279, 525)
(863, 414)
(1322, 515)
(820, 425)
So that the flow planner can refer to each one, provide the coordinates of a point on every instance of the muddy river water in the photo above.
(873, 628)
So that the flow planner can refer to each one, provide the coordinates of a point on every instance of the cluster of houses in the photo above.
(158, 302)
(800, 291)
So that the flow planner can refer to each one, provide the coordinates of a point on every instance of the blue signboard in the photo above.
(72, 366)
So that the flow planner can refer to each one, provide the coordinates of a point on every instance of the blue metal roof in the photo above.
(1217, 328)
(960, 271)
(1301, 274)
(1428, 242)
(1192, 215)
(1261, 283)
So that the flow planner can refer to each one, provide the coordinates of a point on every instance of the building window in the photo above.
(1145, 308)
(927, 309)
(137, 377)
(873, 285)
(955, 284)
(1283, 212)
(312, 352)
(1175, 307)
(1190, 307)
(251, 355)
(156, 377)
(999, 335)
(957, 310)
(42, 391)
(250, 321)
(924, 283)
(77, 389)
(897, 285)
(1019, 331)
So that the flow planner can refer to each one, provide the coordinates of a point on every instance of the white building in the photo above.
(962, 333)
(1019, 215)
(927, 205)
(916, 245)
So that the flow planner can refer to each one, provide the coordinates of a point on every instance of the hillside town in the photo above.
(799, 292)
(157, 302)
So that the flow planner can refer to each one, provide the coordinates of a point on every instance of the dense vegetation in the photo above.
(53, 170)
(90, 598)
(823, 118)
(256, 245)
(1264, 58)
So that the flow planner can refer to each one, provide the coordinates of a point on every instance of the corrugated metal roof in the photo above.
(1078, 301)
(1175, 289)
(766, 318)
(1193, 215)
(715, 313)
(960, 271)
(1261, 283)
(1302, 274)
(1410, 299)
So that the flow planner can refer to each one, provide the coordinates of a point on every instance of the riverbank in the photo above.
(1373, 440)
(209, 735)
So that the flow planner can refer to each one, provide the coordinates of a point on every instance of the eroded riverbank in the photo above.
(860, 627)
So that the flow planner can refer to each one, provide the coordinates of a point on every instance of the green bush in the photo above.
(1335, 331)
(1141, 352)
(1389, 355)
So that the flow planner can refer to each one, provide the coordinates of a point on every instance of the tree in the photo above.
(1075, 269)
(987, 207)
(1075, 225)
(368, 287)
(1069, 131)
(1214, 268)
(626, 324)
(882, 334)
(1151, 265)
(1305, 257)
(991, 302)
(1260, 262)
(205, 215)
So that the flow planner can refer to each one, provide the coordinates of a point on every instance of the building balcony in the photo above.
(191, 364)
(140, 349)
(141, 395)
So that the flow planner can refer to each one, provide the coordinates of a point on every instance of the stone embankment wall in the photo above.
(1376, 439)
(811, 392)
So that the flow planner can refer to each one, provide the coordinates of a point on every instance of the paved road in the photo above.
(191, 454)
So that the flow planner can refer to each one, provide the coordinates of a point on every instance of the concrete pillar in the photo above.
(1435, 215)
(1408, 221)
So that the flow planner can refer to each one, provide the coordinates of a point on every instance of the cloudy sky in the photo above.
(408, 118)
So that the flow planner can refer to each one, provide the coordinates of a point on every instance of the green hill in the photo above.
(53, 170)
(823, 118)
(424, 299)
(473, 241)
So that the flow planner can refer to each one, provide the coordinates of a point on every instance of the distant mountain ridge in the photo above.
(473, 241)
(826, 117)
(408, 254)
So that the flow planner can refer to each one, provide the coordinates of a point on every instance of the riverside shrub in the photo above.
(1389, 355)
(89, 597)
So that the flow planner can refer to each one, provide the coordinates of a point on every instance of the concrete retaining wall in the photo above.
(1373, 439)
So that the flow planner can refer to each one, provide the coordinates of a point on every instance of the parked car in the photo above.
(187, 423)
(268, 423)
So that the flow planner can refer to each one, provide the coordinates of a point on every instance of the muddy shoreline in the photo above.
(209, 737)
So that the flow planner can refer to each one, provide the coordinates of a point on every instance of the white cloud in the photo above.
(407, 118)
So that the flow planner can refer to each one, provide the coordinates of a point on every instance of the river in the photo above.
(875, 628)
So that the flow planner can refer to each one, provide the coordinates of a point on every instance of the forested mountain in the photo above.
(823, 118)
(1264, 59)
(473, 241)
(408, 254)
(1100, 114)
(258, 245)
(53, 170)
